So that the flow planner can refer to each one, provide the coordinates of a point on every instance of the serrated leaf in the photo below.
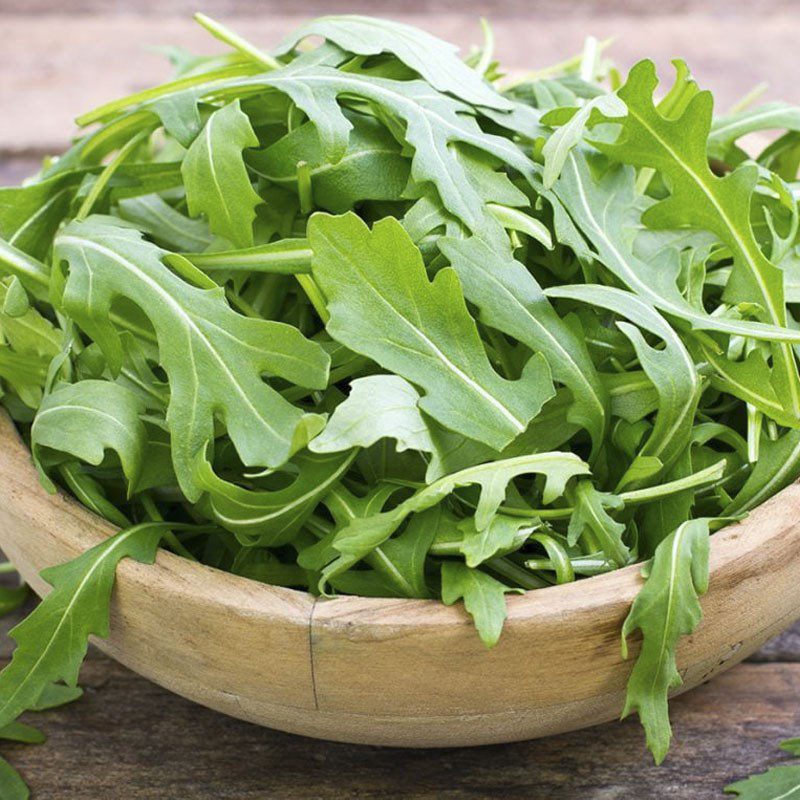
(435, 60)
(590, 512)
(87, 418)
(215, 176)
(214, 357)
(484, 598)
(677, 148)
(372, 168)
(510, 300)
(777, 783)
(666, 608)
(52, 640)
(262, 518)
(362, 535)
(418, 329)
(378, 406)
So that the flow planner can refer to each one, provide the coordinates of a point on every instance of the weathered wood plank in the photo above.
(53, 68)
(128, 738)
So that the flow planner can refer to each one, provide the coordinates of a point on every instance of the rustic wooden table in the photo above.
(131, 740)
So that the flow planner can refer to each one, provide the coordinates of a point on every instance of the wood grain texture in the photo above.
(128, 739)
(53, 68)
(322, 668)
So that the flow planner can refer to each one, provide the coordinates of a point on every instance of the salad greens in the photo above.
(365, 318)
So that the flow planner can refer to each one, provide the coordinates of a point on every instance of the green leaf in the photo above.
(378, 406)
(362, 535)
(590, 514)
(419, 329)
(502, 535)
(214, 358)
(670, 369)
(87, 418)
(484, 598)
(216, 179)
(435, 60)
(30, 215)
(168, 227)
(372, 168)
(271, 518)
(608, 211)
(777, 783)
(666, 608)
(11, 598)
(20, 732)
(778, 465)
(677, 148)
(510, 300)
(52, 640)
(12, 787)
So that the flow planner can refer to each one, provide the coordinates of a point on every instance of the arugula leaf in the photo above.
(483, 595)
(665, 609)
(11, 783)
(676, 147)
(777, 783)
(365, 533)
(419, 329)
(271, 518)
(378, 406)
(434, 59)
(52, 641)
(87, 418)
(510, 299)
(228, 352)
(215, 175)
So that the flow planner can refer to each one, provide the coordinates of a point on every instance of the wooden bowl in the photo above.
(408, 673)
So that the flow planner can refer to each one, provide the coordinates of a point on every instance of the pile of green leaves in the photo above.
(365, 318)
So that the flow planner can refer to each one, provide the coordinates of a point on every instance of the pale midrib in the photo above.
(179, 313)
(750, 257)
(74, 407)
(683, 312)
(439, 354)
(75, 597)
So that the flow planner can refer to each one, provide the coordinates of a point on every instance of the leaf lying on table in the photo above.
(777, 783)
(358, 316)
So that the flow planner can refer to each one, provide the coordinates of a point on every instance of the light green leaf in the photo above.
(777, 783)
(435, 60)
(419, 329)
(372, 168)
(364, 534)
(378, 406)
(590, 513)
(262, 518)
(510, 300)
(52, 640)
(670, 369)
(11, 784)
(216, 179)
(484, 598)
(502, 535)
(168, 227)
(87, 418)
(677, 148)
(666, 608)
(214, 358)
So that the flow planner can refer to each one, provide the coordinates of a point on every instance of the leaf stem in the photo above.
(224, 34)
